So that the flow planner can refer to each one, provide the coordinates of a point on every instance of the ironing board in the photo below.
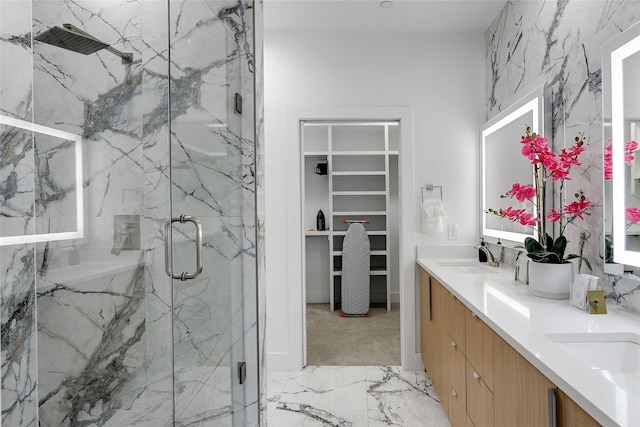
(355, 271)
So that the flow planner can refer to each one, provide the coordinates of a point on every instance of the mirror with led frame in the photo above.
(621, 130)
(502, 163)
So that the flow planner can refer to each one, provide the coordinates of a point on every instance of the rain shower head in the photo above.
(76, 40)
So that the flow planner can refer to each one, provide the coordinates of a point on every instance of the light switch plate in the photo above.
(454, 232)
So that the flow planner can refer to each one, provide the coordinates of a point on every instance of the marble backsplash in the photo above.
(559, 44)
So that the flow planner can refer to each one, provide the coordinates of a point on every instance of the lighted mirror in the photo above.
(34, 209)
(502, 163)
(621, 130)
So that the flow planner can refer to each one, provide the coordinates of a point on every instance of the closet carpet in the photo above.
(353, 341)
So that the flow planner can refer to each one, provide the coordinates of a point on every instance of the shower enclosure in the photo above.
(130, 245)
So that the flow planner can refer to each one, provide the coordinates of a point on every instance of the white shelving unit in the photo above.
(356, 187)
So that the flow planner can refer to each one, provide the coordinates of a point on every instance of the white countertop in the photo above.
(523, 319)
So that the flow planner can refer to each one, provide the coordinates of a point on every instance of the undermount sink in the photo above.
(615, 355)
(466, 267)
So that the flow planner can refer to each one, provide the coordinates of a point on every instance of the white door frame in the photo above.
(410, 358)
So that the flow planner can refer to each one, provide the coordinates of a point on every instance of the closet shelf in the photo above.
(359, 213)
(359, 153)
(358, 173)
(317, 233)
(371, 273)
(359, 193)
(370, 233)
(373, 252)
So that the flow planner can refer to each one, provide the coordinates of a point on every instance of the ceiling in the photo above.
(366, 16)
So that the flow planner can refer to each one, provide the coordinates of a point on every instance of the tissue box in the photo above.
(578, 292)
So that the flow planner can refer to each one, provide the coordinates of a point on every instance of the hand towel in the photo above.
(432, 216)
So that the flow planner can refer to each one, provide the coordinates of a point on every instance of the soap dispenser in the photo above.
(482, 257)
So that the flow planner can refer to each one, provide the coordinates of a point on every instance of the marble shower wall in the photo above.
(88, 333)
(559, 44)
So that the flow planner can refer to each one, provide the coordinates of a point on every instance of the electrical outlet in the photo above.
(454, 232)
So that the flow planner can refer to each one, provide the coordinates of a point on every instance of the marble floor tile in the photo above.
(401, 398)
(355, 396)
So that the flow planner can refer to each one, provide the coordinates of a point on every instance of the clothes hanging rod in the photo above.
(352, 221)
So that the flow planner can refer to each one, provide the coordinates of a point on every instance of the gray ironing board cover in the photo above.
(355, 270)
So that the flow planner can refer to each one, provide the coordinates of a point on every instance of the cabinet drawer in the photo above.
(479, 347)
(457, 405)
(449, 313)
(479, 399)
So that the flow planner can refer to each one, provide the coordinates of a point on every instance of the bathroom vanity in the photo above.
(500, 356)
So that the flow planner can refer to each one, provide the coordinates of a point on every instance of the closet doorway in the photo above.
(350, 175)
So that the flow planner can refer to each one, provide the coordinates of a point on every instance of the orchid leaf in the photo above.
(549, 243)
(559, 246)
(575, 256)
(532, 245)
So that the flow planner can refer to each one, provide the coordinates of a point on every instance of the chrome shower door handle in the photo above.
(168, 244)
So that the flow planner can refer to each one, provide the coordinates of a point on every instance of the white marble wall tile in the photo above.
(559, 45)
(19, 351)
(18, 341)
(118, 367)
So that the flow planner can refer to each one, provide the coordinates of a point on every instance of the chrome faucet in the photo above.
(491, 260)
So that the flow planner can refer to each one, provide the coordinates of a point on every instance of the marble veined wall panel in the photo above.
(559, 45)
(87, 329)
(19, 369)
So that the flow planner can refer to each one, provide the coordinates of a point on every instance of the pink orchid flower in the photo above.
(629, 156)
(577, 208)
(554, 216)
(633, 215)
(522, 192)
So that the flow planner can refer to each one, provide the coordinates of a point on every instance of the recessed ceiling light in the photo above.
(386, 4)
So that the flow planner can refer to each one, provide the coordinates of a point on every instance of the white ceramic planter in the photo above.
(550, 280)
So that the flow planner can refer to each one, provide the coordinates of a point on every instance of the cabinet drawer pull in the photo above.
(454, 393)
(552, 414)
(476, 375)
(453, 344)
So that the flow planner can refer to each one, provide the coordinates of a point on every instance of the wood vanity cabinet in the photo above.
(480, 379)
(520, 390)
(426, 323)
(443, 343)
(570, 414)
(480, 371)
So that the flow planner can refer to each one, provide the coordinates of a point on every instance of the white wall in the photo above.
(438, 78)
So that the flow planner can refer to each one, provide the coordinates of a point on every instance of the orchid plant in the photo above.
(547, 166)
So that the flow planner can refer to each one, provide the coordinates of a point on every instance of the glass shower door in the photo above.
(209, 164)
(123, 127)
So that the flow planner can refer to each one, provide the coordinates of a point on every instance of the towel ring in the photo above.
(430, 188)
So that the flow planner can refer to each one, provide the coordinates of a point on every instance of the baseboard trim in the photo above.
(278, 362)
(415, 364)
